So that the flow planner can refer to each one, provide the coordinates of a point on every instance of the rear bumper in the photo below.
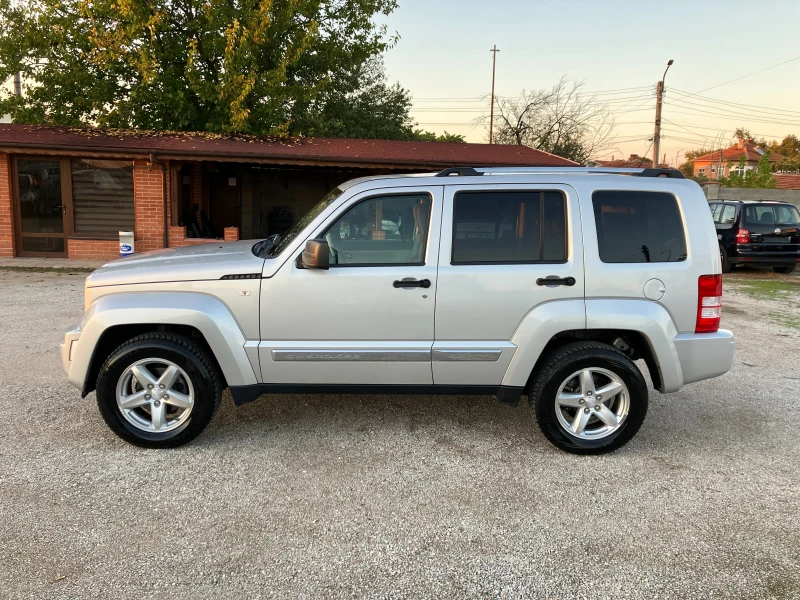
(763, 256)
(704, 355)
(67, 350)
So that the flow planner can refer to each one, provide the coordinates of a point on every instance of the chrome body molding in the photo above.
(371, 355)
(351, 355)
(467, 355)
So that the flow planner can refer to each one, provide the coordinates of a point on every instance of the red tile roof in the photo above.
(748, 150)
(787, 181)
(243, 148)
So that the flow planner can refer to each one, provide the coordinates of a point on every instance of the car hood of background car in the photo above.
(201, 262)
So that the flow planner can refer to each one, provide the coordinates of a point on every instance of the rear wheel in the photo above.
(588, 398)
(784, 270)
(158, 390)
(727, 267)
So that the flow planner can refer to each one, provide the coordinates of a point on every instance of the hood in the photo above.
(192, 263)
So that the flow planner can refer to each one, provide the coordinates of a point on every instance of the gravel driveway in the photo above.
(398, 496)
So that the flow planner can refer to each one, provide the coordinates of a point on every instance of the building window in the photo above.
(102, 196)
(701, 170)
(509, 227)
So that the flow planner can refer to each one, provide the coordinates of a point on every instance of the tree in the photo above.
(742, 134)
(251, 66)
(760, 177)
(429, 136)
(561, 120)
(789, 147)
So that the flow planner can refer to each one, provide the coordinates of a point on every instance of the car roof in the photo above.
(751, 201)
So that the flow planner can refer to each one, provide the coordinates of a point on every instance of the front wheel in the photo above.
(588, 398)
(158, 390)
(783, 270)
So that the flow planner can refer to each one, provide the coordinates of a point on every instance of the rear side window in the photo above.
(716, 209)
(728, 215)
(509, 227)
(635, 227)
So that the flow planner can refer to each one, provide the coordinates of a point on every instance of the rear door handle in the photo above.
(412, 283)
(553, 280)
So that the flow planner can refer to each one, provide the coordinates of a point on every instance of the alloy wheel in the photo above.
(592, 403)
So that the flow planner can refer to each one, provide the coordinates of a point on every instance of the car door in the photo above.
(498, 243)
(369, 318)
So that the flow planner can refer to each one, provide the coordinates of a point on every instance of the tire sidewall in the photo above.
(727, 267)
(202, 382)
(611, 361)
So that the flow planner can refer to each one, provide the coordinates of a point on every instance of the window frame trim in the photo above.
(565, 200)
(349, 207)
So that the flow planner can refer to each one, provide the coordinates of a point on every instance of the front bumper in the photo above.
(69, 346)
(704, 355)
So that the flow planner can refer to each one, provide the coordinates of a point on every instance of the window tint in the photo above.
(772, 214)
(509, 227)
(386, 230)
(635, 227)
(716, 209)
(728, 215)
(102, 196)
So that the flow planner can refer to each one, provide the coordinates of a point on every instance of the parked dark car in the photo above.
(760, 233)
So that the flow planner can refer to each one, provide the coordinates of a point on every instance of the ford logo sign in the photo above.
(127, 248)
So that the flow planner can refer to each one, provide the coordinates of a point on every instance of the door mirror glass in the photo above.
(315, 255)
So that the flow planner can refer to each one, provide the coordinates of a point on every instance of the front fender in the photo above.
(205, 313)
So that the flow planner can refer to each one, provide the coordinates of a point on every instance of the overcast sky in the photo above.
(443, 58)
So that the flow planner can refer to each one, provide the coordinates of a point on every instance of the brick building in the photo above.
(68, 191)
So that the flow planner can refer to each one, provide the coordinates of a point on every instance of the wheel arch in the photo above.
(115, 318)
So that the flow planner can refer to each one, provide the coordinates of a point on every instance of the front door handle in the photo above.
(412, 283)
(553, 280)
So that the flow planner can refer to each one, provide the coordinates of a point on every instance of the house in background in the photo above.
(720, 163)
(68, 191)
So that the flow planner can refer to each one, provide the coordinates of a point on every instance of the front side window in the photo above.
(383, 230)
(635, 227)
(303, 222)
(509, 227)
(102, 196)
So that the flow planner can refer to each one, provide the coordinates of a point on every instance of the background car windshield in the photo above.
(287, 237)
(772, 214)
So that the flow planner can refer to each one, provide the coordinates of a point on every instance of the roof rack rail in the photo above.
(480, 171)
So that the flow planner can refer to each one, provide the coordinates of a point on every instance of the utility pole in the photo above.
(657, 132)
(494, 52)
(18, 84)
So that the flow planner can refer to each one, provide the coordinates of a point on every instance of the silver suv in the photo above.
(547, 283)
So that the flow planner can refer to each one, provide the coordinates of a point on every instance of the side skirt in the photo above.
(248, 393)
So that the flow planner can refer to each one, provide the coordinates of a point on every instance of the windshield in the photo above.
(772, 214)
(295, 230)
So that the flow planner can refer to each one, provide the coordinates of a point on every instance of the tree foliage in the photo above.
(562, 120)
(300, 67)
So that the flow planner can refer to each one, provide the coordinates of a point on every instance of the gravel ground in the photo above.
(395, 496)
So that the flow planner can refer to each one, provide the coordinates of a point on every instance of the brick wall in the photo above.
(6, 211)
(148, 190)
(231, 234)
(93, 249)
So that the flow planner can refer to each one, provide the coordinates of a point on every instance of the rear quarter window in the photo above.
(637, 227)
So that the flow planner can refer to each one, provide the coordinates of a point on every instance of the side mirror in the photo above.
(315, 255)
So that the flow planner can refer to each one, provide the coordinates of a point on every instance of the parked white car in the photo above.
(547, 283)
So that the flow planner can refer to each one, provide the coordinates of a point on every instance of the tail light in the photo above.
(709, 303)
(743, 236)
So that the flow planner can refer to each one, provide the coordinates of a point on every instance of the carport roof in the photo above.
(388, 154)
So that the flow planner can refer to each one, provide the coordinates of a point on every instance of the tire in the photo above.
(196, 377)
(784, 270)
(727, 267)
(605, 365)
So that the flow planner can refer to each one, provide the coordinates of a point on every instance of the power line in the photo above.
(733, 115)
(768, 112)
(749, 75)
